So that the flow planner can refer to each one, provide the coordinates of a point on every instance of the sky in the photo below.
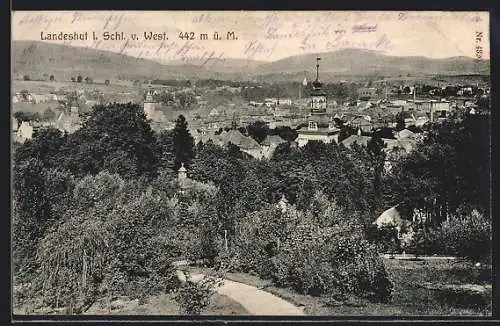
(263, 35)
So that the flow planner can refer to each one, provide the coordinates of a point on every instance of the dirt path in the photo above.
(255, 301)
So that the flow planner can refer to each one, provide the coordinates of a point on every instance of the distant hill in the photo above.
(62, 61)
(229, 65)
(363, 62)
(38, 58)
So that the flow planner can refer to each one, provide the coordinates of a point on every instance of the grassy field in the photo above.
(430, 288)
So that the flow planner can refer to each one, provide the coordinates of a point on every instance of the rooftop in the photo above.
(319, 131)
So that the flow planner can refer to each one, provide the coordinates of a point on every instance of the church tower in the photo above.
(318, 115)
(149, 103)
(320, 126)
(318, 95)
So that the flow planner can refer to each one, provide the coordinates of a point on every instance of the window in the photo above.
(313, 125)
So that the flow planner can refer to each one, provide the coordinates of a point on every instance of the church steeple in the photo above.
(317, 84)
(317, 68)
(149, 94)
(149, 103)
(318, 95)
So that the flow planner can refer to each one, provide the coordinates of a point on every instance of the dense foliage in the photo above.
(100, 212)
(317, 252)
(449, 172)
(468, 236)
(194, 296)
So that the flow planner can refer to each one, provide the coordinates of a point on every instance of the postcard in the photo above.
(238, 163)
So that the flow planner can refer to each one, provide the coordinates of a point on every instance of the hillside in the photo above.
(362, 62)
(227, 65)
(38, 58)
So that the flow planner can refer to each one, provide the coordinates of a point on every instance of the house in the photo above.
(367, 92)
(256, 104)
(409, 122)
(271, 102)
(363, 105)
(38, 98)
(392, 145)
(358, 139)
(363, 122)
(52, 97)
(314, 132)
(421, 121)
(395, 149)
(405, 133)
(25, 131)
(398, 102)
(285, 101)
(68, 122)
(246, 144)
(436, 109)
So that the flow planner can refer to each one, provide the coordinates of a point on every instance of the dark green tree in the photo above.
(48, 115)
(258, 130)
(449, 170)
(112, 132)
(183, 143)
(375, 147)
(26, 116)
(166, 149)
(400, 121)
(31, 214)
(46, 146)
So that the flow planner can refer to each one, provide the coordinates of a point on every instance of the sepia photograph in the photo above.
(250, 163)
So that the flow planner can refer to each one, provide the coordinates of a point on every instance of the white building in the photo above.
(25, 131)
(149, 104)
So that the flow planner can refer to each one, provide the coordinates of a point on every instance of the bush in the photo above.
(230, 261)
(468, 236)
(384, 238)
(204, 246)
(333, 262)
(193, 297)
(424, 241)
(144, 247)
(319, 252)
(72, 260)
